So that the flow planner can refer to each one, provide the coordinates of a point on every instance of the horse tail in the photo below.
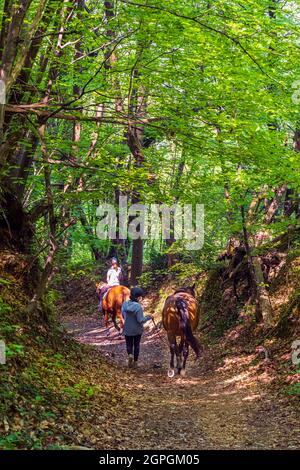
(125, 295)
(182, 308)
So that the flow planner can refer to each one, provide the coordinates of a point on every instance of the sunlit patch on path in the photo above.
(226, 405)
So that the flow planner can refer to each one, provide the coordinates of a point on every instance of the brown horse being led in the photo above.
(180, 318)
(112, 305)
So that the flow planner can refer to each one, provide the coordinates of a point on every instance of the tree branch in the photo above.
(35, 108)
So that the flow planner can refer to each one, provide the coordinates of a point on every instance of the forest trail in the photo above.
(226, 401)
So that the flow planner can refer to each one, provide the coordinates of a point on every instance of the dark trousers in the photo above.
(133, 345)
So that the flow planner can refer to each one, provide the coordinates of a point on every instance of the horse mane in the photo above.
(186, 290)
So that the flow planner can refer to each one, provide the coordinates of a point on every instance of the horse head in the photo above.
(188, 289)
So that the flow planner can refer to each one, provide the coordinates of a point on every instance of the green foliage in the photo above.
(150, 279)
(219, 103)
(295, 389)
(52, 297)
(155, 259)
(5, 282)
(79, 389)
(4, 308)
(204, 89)
(14, 349)
(45, 387)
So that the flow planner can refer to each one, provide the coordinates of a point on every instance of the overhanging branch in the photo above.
(36, 109)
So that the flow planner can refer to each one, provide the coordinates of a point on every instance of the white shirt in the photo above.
(114, 276)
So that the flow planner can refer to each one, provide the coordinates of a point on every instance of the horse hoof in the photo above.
(183, 372)
(171, 373)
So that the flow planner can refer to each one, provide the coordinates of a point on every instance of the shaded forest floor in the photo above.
(230, 399)
(59, 393)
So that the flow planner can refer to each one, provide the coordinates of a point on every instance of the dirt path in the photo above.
(223, 403)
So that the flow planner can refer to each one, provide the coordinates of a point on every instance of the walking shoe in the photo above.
(130, 360)
(135, 364)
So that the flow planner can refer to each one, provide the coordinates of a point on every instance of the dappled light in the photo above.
(149, 225)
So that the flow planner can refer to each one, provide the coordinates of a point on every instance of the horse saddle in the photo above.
(105, 294)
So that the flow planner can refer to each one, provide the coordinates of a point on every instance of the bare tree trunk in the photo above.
(50, 216)
(262, 293)
(53, 246)
(137, 260)
(16, 228)
(176, 185)
(13, 51)
(118, 246)
(134, 139)
(260, 296)
(279, 194)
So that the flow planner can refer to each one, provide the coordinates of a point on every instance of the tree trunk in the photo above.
(176, 186)
(274, 206)
(262, 293)
(260, 296)
(135, 145)
(53, 246)
(137, 261)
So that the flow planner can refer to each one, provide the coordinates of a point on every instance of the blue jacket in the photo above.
(134, 318)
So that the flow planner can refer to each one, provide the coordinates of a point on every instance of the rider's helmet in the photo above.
(136, 292)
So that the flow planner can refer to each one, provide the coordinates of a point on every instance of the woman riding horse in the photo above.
(114, 277)
(180, 318)
(112, 295)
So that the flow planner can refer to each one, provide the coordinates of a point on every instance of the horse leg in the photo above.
(179, 355)
(106, 320)
(121, 320)
(185, 356)
(173, 348)
(114, 319)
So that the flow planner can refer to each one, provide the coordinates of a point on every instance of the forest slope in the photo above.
(57, 393)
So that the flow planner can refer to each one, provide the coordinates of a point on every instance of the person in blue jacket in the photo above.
(134, 320)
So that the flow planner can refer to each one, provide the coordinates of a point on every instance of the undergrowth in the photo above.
(49, 383)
